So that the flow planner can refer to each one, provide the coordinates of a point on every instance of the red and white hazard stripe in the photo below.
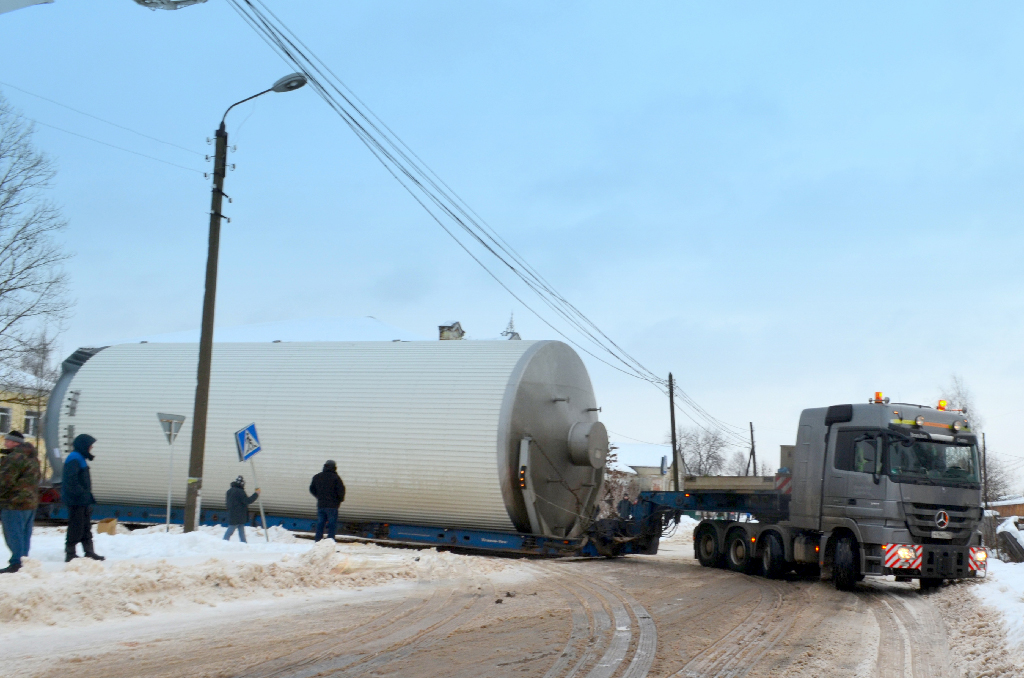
(894, 561)
(784, 483)
(977, 559)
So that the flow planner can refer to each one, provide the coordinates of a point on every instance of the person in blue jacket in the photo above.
(76, 493)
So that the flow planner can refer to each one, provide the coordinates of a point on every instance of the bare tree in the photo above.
(959, 397)
(997, 481)
(33, 286)
(703, 451)
(737, 465)
(618, 485)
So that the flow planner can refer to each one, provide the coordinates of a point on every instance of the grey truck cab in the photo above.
(875, 489)
(893, 488)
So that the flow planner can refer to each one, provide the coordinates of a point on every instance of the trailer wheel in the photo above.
(709, 553)
(773, 556)
(844, 567)
(738, 552)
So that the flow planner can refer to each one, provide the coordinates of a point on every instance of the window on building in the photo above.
(5, 420)
(31, 424)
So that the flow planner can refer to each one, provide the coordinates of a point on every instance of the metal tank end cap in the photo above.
(588, 444)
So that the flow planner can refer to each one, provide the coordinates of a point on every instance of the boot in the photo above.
(94, 556)
(10, 569)
(68, 557)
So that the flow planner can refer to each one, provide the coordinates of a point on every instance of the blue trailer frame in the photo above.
(636, 530)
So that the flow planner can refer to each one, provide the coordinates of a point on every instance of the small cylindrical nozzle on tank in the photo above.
(588, 444)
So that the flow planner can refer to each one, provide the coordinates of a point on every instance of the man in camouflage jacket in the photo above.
(19, 495)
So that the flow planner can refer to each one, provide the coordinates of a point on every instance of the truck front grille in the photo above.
(963, 520)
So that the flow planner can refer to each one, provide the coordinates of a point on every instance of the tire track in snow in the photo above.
(405, 624)
(610, 613)
(926, 631)
(892, 656)
(738, 650)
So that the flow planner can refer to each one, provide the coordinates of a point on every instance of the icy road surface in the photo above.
(193, 605)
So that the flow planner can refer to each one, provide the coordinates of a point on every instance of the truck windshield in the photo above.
(933, 462)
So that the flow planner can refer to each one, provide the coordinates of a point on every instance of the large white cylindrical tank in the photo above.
(428, 433)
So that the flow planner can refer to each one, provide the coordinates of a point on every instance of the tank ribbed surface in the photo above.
(413, 426)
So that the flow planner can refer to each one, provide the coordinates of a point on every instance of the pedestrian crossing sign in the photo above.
(248, 442)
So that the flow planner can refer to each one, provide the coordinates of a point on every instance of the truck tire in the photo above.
(844, 566)
(930, 583)
(738, 552)
(709, 551)
(773, 556)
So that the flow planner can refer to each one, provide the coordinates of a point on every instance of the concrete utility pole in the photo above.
(672, 421)
(753, 451)
(194, 492)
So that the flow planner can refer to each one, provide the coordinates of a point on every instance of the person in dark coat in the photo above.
(329, 492)
(238, 508)
(76, 493)
(19, 495)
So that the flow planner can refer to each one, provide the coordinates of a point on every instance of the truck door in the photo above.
(858, 460)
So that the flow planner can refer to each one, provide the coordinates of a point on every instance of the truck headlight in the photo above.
(981, 556)
(905, 553)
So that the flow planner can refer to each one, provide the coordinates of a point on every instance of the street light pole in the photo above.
(194, 492)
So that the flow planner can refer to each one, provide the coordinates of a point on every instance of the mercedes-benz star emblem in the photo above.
(942, 519)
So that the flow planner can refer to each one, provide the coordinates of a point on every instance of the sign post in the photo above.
(248, 442)
(171, 424)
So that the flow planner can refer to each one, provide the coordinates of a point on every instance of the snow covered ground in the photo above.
(149, 571)
(1004, 591)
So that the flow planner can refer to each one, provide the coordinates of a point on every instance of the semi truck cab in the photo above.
(877, 488)
(894, 485)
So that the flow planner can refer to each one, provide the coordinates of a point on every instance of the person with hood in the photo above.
(238, 508)
(329, 492)
(19, 495)
(76, 493)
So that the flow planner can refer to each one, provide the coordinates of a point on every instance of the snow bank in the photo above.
(977, 637)
(149, 570)
(1004, 591)
(1010, 526)
(986, 629)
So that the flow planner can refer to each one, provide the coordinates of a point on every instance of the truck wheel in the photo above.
(773, 556)
(709, 553)
(930, 583)
(844, 567)
(737, 552)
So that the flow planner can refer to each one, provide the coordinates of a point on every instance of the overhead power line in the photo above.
(637, 440)
(120, 148)
(107, 122)
(458, 219)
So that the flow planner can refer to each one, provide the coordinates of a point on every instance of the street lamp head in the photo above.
(289, 83)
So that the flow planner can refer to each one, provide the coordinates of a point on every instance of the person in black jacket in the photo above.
(76, 493)
(329, 492)
(238, 508)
